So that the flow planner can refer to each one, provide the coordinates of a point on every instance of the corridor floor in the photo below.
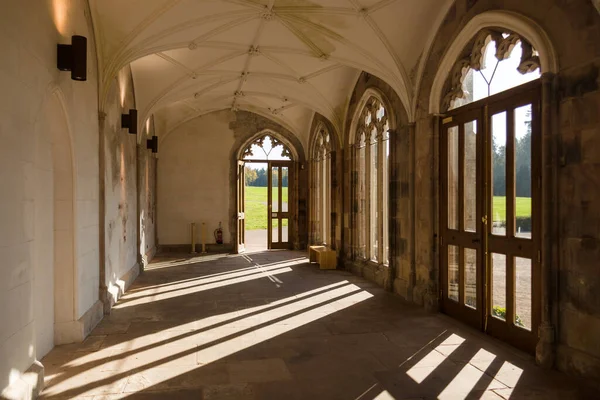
(269, 325)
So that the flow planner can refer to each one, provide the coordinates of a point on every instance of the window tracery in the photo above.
(372, 154)
(321, 186)
(496, 60)
(267, 148)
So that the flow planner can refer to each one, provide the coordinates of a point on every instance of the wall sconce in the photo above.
(73, 57)
(130, 121)
(152, 144)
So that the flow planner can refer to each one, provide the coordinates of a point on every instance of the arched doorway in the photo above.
(490, 187)
(265, 200)
(55, 306)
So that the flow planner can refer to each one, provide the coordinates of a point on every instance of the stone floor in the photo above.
(270, 326)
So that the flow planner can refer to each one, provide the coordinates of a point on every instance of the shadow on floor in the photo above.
(269, 325)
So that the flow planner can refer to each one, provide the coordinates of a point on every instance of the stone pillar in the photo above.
(103, 289)
(545, 349)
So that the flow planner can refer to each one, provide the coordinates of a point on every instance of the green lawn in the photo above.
(499, 210)
(256, 207)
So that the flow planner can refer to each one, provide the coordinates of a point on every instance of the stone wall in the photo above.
(579, 221)
(147, 195)
(120, 191)
(193, 171)
(573, 28)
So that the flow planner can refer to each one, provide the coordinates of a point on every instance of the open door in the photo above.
(279, 180)
(241, 217)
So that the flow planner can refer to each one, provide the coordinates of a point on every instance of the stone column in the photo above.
(545, 349)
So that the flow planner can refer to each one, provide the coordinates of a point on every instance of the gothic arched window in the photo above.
(321, 187)
(372, 163)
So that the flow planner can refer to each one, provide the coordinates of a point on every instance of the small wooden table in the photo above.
(324, 256)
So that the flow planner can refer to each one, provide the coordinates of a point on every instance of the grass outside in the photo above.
(523, 208)
(256, 207)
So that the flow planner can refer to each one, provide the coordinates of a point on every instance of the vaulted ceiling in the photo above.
(283, 59)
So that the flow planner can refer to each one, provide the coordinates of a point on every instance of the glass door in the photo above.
(514, 258)
(241, 216)
(462, 217)
(279, 180)
(490, 177)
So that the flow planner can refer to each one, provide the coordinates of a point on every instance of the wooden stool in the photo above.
(325, 257)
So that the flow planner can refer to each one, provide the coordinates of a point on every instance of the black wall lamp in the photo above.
(73, 57)
(130, 121)
(152, 144)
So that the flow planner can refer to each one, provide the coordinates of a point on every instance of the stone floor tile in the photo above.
(163, 378)
(175, 335)
(267, 370)
(229, 392)
(108, 327)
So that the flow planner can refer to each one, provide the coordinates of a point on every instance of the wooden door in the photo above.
(279, 192)
(490, 212)
(240, 199)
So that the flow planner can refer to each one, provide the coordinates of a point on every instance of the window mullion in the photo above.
(367, 196)
(380, 195)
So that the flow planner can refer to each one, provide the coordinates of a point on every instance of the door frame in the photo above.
(528, 93)
(240, 203)
(281, 215)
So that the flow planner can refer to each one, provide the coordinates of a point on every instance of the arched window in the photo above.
(266, 148)
(490, 186)
(498, 61)
(321, 187)
(372, 154)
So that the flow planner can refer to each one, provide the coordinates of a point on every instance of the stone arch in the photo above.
(249, 126)
(55, 259)
(511, 21)
(366, 97)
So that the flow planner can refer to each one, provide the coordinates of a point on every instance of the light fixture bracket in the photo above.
(130, 121)
(73, 57)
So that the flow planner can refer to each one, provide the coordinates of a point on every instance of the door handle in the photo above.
(476, 241)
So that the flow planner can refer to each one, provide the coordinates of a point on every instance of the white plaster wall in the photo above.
(120, 183)
(29, 32)
(193, 178)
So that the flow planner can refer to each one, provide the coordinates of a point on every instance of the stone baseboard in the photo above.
(28, 386)
(117, 289)
(578, 363)
(186, 248)
(77, 331)
(375, 273)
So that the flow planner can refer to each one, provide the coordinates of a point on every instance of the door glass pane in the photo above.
(274, 189)
(470, 177)
(453, 177)
(374, 212)
(275, 230)
(523, 304)
(284, 230)
(523, 183)
(499, 286)
(499, 174)
(284, 188)
(470, 288)
(453, 277)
